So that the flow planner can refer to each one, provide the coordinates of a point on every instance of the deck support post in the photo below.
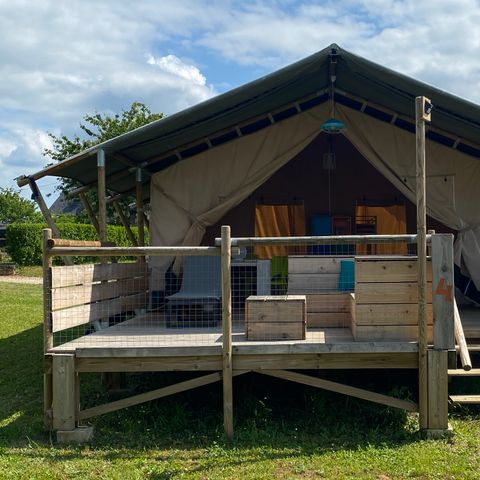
(102, 202)
(64, 392)
(227, 332)
(420, 117)
(437, 392)
(47, 331)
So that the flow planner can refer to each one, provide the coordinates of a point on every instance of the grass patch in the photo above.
(30, 271)
(282, 430)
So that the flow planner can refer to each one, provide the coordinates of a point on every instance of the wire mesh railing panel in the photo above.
(129, 305)
(312, 290)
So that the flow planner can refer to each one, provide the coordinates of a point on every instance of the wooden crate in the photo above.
(328, 310)
(275, 317)
(385, 304)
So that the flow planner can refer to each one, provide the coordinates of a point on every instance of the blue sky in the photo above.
(60, 60)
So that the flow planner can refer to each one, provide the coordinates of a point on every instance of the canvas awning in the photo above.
(360, 84)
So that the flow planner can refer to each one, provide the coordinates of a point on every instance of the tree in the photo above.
(96, 129)
(15, 208)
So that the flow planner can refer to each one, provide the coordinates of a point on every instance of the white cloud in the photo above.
(172, 64)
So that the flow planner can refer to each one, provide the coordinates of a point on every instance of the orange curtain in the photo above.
(390, 220)
(279, 221)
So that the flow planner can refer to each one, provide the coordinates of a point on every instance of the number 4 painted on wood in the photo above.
(445, 290)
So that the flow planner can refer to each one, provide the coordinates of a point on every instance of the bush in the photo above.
(24, 240)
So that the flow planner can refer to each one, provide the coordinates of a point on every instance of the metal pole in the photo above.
(420, 117)
(102, 204)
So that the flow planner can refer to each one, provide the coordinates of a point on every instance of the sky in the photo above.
(63, 59)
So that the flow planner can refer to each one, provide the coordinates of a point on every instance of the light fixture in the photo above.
(332, 126)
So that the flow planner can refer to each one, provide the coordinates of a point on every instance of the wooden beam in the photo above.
(227, 332)
(139, 204)
(135, 251)
(102, 206)
(37, 196)
(63, 405)
(125, 224)
(91, 214)
(438, 390)
(322, 240)
(341, 388)
(422, 260)
(443, 294)
(153, 395)
(460, 339)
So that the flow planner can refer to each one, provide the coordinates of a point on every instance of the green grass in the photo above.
(282, 430)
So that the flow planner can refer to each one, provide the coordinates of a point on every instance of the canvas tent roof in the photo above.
(280, 95)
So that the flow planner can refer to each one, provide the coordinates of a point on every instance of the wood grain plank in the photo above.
(75, 316)
(389, 293)
(390, 314)
(380, 333)
(64, 276)
(80, 294)
(389, 270)
(328, 319)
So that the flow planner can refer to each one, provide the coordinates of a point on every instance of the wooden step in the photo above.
(466, 399)
(474, 372)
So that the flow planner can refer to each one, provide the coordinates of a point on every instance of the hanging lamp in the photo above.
(333, 125)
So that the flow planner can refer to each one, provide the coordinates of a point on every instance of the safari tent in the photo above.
(264, 159)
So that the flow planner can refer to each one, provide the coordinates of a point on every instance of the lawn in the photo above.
(281, 432)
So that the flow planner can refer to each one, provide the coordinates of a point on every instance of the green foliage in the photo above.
(15, 208)
(96, 129)
(24, 241)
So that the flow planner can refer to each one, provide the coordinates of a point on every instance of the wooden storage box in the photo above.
(275, 317)
(385, 304)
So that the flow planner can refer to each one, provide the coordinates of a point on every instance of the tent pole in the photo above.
(420, 118)
(90, 212)
(125, 224)
(139, 201)
(102, 204)
(38, 197)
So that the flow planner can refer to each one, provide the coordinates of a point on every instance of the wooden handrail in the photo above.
(460, 338)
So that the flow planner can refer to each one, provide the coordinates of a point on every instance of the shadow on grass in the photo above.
(21, 387)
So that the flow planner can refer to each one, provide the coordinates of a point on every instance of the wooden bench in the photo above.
(83, 294)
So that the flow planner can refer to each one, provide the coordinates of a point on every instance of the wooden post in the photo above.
(125, 224)
(102, 202)
(227, 332)
(90, 212)
(437, 391)
(443, 292)
(47, 331)
(139, 200)
(37, 196)
(64, 392)
(420, 119)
